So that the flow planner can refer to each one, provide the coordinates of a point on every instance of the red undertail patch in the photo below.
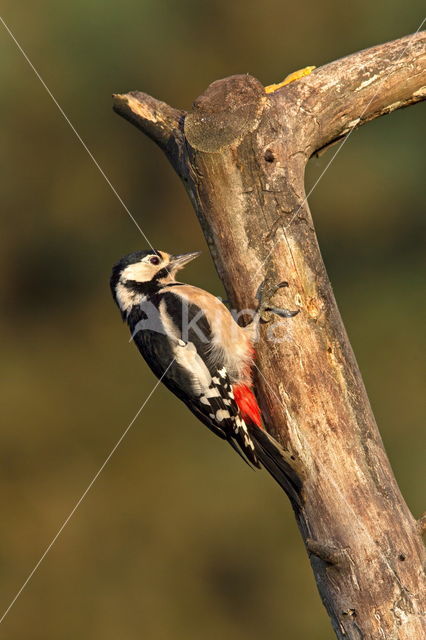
(247, 404)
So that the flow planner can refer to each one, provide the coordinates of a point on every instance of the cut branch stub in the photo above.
(242, 155)
(225, 113)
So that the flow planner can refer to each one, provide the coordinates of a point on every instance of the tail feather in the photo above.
(275, 460)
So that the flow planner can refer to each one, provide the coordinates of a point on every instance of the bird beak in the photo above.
(177, 262)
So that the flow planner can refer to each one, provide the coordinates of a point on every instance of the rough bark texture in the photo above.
(241, 154)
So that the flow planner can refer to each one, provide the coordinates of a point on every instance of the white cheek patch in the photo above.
(126, 298)
(140, 272)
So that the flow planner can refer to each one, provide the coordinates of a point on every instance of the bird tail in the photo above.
(278, 463)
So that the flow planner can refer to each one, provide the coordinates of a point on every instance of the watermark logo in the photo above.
(188, 323)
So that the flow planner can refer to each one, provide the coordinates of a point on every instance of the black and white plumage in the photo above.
(192, 343)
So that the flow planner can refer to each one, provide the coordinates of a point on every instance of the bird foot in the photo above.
(264, 294)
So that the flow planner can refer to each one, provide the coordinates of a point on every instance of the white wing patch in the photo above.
(189, 359)
(214, 392)
(126, 298)
(185, 353)
(222, 414)
(240, 425)
(224, 410)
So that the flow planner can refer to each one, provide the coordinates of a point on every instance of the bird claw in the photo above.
(264, 295)
(283, 313)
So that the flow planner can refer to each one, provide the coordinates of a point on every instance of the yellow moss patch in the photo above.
(296, 75)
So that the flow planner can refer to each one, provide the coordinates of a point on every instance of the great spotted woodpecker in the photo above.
(193, 344)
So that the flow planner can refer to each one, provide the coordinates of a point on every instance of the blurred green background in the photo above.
(177, 538)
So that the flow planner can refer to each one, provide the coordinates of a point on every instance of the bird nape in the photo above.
(192, 343)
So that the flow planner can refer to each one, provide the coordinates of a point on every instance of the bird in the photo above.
(194, 346)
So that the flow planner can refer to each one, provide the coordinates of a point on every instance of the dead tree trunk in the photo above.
(242, 153)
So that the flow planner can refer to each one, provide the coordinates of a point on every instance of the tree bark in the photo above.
(241, 154)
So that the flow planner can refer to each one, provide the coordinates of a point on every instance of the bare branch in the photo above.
(156, 119)
(349, 92)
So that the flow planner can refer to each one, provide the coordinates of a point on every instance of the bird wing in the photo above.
(175, 338)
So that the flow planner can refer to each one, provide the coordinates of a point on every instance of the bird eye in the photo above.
(154, 260)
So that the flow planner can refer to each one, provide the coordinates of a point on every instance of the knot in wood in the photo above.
(227, 111)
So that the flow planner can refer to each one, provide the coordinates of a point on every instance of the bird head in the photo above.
(141, 272)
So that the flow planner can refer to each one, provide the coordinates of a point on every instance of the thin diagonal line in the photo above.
(84, 494)
(345, 139)
(66, 118)
(269, 387)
